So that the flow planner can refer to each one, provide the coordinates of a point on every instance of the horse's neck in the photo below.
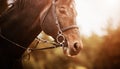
(22, 24)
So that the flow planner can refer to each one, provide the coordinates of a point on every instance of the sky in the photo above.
(93, 15)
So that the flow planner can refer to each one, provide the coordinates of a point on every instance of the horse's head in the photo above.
(61, 16)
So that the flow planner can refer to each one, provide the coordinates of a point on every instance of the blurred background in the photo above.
(99, 22)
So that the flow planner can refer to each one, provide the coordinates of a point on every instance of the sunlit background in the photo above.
(93, 15)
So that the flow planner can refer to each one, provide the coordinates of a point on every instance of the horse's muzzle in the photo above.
(73, 50)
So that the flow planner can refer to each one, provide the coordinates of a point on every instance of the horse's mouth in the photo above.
(71, 52)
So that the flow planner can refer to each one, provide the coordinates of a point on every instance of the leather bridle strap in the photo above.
(69, 28)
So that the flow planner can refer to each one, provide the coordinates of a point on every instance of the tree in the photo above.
(109, 56)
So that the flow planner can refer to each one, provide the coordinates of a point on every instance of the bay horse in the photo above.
(25, 19)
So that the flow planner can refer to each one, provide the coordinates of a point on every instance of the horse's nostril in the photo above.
(76, 45)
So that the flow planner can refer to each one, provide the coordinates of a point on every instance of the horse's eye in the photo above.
(56, 0)
(63, 10)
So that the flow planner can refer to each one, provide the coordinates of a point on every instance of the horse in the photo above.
(25, 19)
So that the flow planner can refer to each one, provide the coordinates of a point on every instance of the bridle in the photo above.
(57, 23)
(60, 43)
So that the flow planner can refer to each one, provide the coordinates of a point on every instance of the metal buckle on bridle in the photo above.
(60, 39)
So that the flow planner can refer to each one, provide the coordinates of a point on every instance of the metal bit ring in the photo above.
(60, 41)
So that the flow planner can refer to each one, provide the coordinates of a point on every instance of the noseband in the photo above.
(60, 43)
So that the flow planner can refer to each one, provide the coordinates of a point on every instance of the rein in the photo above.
(33, 49)
(55, 45)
